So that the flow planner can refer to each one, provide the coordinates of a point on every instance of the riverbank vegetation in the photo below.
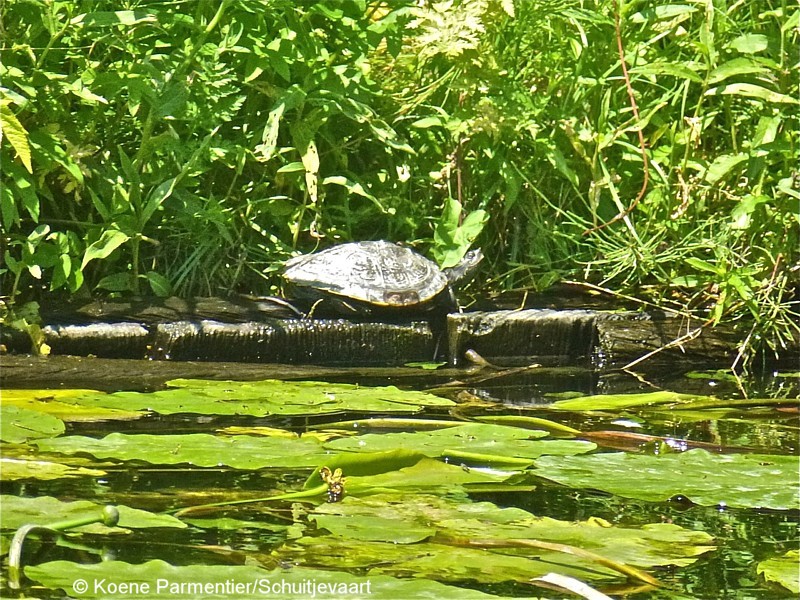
(188, 148)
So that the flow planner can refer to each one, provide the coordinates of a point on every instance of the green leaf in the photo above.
(749, 43)
(735, 67)
(722, 166)
(668, 68)
(491, 444)
(12, 469)
(199, 449)
(18, 511)
(427, 122)
(180, 582)
(19, 424)
(267, 397)
(751, 90)
(266, 150)
(127, 18)
(620, 401)
(117, 282)
(159, 284)
(59, 403)
(156, 198)
(784, 570)
(738, 480)
(392, 533)
(15, 133)
(110, 240)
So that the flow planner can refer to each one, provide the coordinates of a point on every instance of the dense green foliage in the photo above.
(188, 148)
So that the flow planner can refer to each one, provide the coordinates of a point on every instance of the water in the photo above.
(743, 536)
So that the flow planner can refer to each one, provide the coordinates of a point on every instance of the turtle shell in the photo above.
(378, 273)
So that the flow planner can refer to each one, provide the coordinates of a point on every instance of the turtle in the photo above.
(377, 277)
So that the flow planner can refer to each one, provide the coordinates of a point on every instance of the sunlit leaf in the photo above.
(19, 424)
(18, 511)
(199, 449)
(110, 240)
(417, 535)
(738, 480)
(490, 443)
(784, 570)
(618, 401)
(59, 403)
(268, 397)
(15, 133)
(12, 469)
(751, 90)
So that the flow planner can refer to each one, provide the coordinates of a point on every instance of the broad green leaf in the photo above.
(42, 510)
(118, 17)
(19, 424)
(15, 133)
(749, 43)
(668, 68)
(662, 12)
(110, 240)
(199, 449)
(267, 397)
(618, 401)
(751, 90)
(59, 403)
(735, 67)
(117, 282)
(159, 284)
(12, 469)
(427, 122)
(784, 570)
(168, 582)
(723, 165)
(738, 480)
(492, 444)
(418, 534)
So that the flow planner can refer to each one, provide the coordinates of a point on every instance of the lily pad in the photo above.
(158, 579)
(18, 511)
(20, 424)
(784, 570)
(419, 535)
(618, 401)
(62, 404)
(493, 444)
(199, 449)
(12, 469)
(738, 480)
(267, 397)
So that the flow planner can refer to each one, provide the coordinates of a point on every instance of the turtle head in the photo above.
(461, 273)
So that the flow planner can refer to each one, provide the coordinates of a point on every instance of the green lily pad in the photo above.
(199, 449)
(784, 570)
(222, 581)
(739, 480)
(12, 469)
(62, 404)
(18, 511)
(20, 424)
(618, 401)
(419, 535)
(268, 397)
(493, 444)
